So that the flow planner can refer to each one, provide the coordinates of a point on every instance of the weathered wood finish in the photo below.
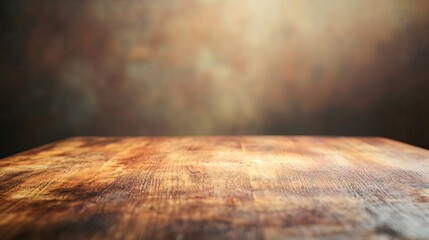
(216, 188)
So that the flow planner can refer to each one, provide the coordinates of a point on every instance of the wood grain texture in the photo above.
(241, 187)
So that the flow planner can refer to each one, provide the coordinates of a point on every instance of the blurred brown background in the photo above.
(176, 67)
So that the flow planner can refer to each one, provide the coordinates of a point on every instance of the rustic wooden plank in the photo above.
(243, 187)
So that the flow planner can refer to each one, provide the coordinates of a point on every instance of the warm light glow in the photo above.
(224, 67)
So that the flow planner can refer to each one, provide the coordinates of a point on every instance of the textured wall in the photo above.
(170, 67)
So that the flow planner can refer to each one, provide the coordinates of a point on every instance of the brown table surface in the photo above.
(242, 187)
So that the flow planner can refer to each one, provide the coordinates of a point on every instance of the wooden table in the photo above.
(248, 187)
